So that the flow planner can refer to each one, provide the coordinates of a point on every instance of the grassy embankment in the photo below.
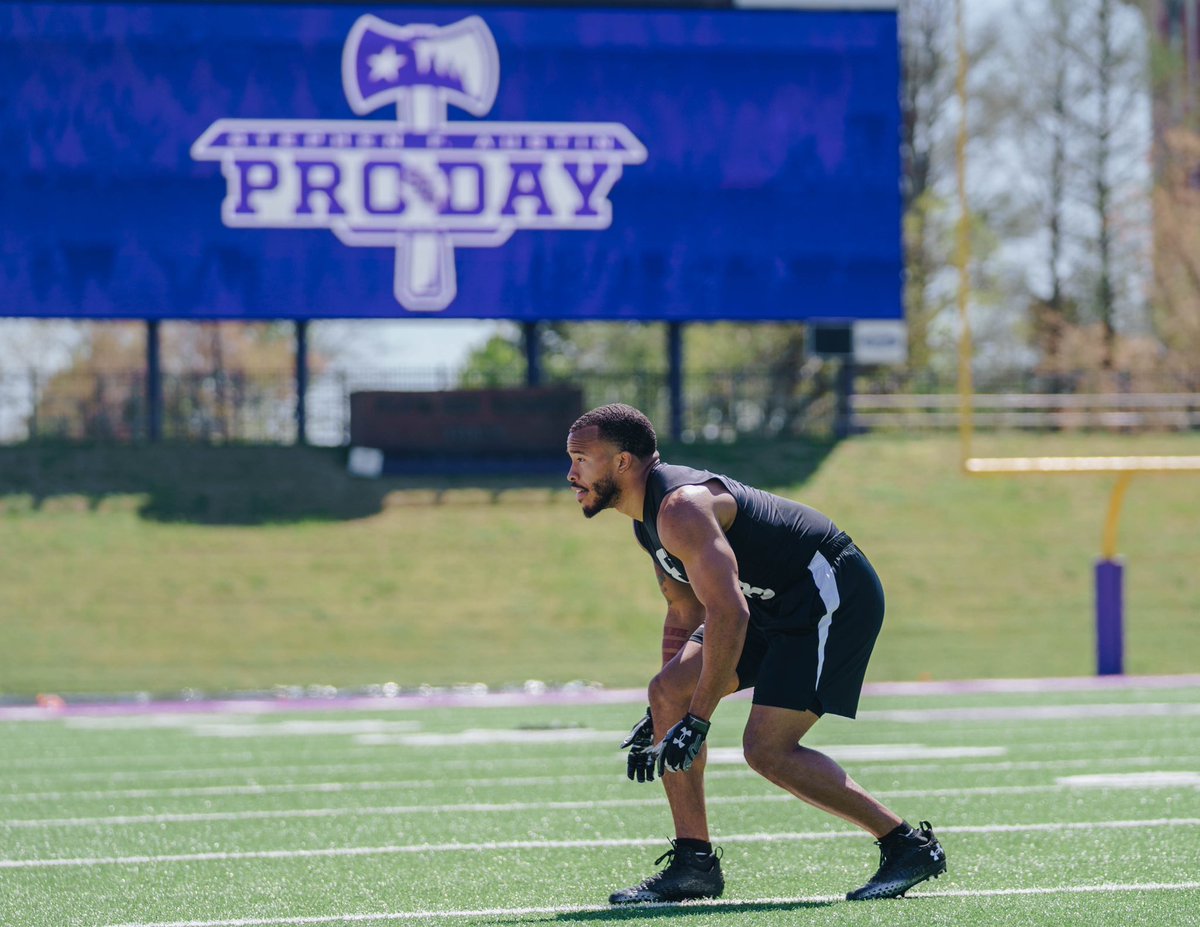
(231, 568)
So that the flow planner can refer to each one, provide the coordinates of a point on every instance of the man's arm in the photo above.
(684, 613)
(689, 527)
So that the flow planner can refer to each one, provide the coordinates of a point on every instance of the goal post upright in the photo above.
(1109, 571)
(962, 251)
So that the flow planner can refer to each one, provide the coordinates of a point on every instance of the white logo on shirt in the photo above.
(753, 592)
(665, 559)
(750, 592)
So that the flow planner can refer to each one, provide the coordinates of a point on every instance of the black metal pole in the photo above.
(533, 354)
(675, 377)
(845, 398)
(301, 381)
(154, 403)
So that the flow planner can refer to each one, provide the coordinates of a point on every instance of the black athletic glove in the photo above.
(678, 749)
(641, 753)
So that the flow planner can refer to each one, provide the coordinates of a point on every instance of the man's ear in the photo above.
(624, 461)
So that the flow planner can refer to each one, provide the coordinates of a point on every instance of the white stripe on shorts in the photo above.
(822, 574)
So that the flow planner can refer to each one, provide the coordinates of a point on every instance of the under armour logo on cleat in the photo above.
(935, 854)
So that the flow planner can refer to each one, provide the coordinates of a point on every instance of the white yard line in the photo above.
(495, 846)
(581, 697)
(1031, 713)
(263, 764)
(1158, 781)
(1018, 716)
(1110, 888)
(61, 767)
(376, 733)
(1032, 765)
(613, 773)
(291, 788)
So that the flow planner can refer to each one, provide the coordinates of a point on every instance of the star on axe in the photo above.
(422, 69)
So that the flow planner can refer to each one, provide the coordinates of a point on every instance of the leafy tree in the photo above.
(214, 376)
(1073, 96)
(1175, 310)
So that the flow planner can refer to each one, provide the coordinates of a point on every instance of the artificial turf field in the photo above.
(1055, 806)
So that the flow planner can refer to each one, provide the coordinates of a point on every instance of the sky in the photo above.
(402, 343)
(46, 346)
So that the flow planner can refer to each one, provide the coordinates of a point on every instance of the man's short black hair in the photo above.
(623, 426)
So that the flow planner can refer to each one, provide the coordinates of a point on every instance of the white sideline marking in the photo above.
(392, 785)
(222, 725)
(718, 904)
(503, 807)
(143, 764)
(493, 846)
(288, 788)
(218, 725)
(871, 753)
(303, 728)
(398, 785)
(149, 721)
(1010, 766)
(494, 736)
(254, 789)
(589, 697)
(1032, 712)
(1151, 779)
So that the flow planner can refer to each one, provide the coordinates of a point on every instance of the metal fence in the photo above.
(228, 407)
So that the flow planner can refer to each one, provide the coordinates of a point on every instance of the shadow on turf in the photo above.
(248, 485)
(227, 485)
(620, 913)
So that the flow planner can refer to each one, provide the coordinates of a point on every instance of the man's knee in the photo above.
(771, 739)
(761, 755)
(670, 689)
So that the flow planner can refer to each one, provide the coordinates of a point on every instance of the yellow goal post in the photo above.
(1109, 580)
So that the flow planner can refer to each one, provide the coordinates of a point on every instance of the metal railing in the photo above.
(1059, 411)
(241, 407)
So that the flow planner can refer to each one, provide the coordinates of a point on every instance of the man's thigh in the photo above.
(677, 680)
(821, 669)
(776, 729)
(754, 649)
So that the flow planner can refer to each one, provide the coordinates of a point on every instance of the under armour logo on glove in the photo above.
(682, 744)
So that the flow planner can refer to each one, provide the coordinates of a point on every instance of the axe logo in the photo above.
(422, 185)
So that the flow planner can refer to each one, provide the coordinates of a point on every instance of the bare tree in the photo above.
(1176, 75)
(927, 87)
(1078, 105)
(1114, 129)
(1043, 103)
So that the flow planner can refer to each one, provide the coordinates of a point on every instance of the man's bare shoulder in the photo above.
(686, 515)
(697, 504)
(686, 501)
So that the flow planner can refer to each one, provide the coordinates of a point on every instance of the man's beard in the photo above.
(607, 493)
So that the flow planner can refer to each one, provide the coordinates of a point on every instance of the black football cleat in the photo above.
(688, 875)
(903, 863)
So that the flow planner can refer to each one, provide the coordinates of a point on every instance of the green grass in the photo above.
(168, 568)
(159, 819)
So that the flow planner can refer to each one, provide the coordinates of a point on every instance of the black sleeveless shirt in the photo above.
(773, 538)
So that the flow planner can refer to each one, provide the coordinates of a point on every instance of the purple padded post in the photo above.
(1110, 638)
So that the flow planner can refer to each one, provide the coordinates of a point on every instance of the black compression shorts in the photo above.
(820, 669)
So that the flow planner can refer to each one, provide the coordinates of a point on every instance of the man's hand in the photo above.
(641, 750)
(679, 748)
